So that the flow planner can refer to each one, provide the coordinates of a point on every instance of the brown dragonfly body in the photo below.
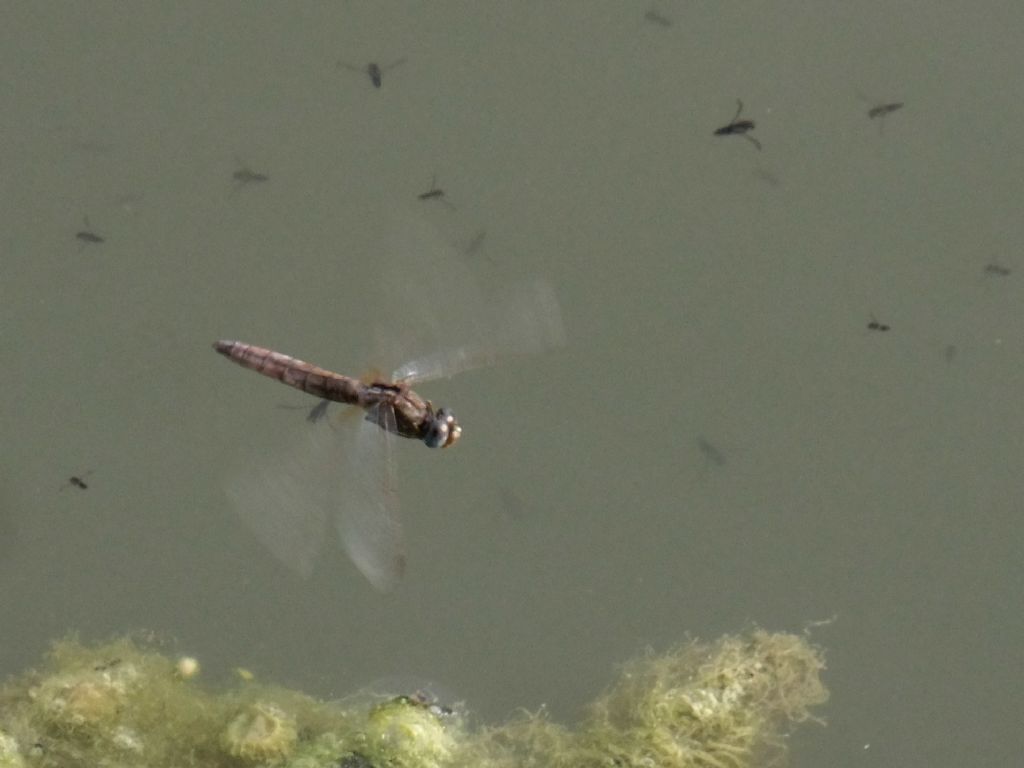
(327, 474)
(393, 406)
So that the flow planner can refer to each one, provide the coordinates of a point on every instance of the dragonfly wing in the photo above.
(523, 320)
(368, 523)
(281, 498)
(435, 302)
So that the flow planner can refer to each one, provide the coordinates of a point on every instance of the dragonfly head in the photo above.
(443, 431)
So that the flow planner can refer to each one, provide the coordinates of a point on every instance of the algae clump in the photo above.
(725, 704)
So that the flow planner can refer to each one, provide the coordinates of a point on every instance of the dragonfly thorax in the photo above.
(443, 430)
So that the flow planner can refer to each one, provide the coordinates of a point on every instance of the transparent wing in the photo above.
(524, 320)
(341, 467)
(282, 497)
(441, 318)
(367, 522)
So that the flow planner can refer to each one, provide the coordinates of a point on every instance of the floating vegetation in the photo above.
(726, 704)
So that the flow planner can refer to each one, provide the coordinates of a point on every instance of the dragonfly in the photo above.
(343, 470)
(392, 406)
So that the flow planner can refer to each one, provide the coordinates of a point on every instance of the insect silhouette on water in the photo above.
(245, 175)
(874, 325)
(77, 481)
(884, 109)
(248, 176)
(87, 236)
(737, 127)
(373, 70)
(880, 111)
(435, 193)
(657, 18)
(344, 470)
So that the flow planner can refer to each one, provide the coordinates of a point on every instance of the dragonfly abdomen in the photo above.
(293, 372)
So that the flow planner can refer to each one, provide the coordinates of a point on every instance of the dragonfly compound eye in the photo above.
(443, 431)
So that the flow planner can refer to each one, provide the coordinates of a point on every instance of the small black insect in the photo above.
(656, 18)
(373, 70)
(874, 325)
(86, 236)
(77, 481)
(880, 111)
(997, 269)
(737, 127)
(884, 109)
(435, 193)
(247, 176)
(375, 75)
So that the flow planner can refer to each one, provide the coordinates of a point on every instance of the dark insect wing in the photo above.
(318, 411)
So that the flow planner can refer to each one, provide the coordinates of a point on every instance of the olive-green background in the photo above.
(712, 295)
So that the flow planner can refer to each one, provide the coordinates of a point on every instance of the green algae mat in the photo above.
(724, 704)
